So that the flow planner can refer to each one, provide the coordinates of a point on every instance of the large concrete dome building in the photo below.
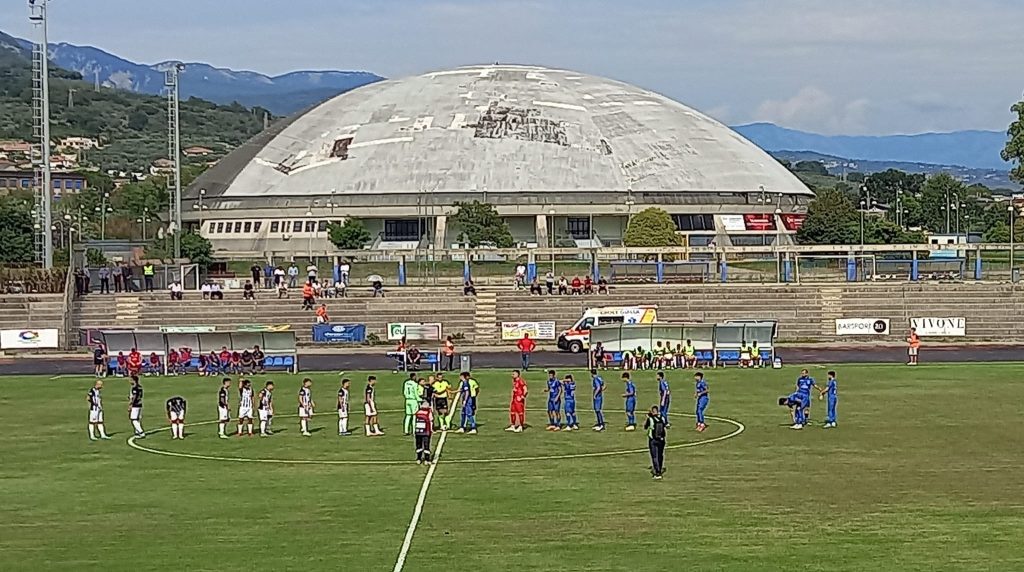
(564, 157)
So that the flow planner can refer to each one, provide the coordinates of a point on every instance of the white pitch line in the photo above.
(407, 543)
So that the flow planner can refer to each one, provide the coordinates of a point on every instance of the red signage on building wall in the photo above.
(759, 222)
(793, 222)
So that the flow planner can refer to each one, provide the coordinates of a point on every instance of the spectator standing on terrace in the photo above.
(127, 271)
(449, 354)
(526, 347)
(344, 270)
(278, 277)
(118, 278)
(86, 278)
(549, 281)
(79, 282)
(256, 273)
(311, 272)
(104, 274)
(268, 276)
(293, 275)
(307, 296)
(520, 277)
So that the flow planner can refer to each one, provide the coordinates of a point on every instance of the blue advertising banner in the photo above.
(327, 333)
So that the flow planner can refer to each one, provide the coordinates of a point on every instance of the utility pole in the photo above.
(41, 130)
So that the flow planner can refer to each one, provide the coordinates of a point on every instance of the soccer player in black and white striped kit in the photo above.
(135, 407)
(176, 408)
(306, 406)
(95, 401)
(266, 409)
(245, 402)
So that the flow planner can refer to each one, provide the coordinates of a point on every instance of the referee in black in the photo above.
(655, 426)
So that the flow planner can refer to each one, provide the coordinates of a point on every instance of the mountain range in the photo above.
(289, 93)
(281, 95)
(972, 149)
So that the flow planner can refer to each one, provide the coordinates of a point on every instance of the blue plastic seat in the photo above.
(278, 361)
(289, 361)
(268, 362)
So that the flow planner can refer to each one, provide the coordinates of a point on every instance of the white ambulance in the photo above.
(577, 338)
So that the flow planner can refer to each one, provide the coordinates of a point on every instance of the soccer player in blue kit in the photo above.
(569, 402)
(630, 396)
(664, 397)
(701, 395)
(554, 402)
(804, 385)
(832, 391)
(598, 384)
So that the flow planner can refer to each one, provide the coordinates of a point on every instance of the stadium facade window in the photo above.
(700, 239)
(321, 226)
(297, 226)
(752, 239)
(25, 183)
(401, 229)
(256, 226)
(78, 185)
(238, 227)
(578, 227)
(310, 226)
(248, 227)
(228, 227)
(692, 222)
(274, 226)
(220, 227)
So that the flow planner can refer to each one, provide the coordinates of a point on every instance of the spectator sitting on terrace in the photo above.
(549, 281)
(206, 290)
(588, 285)
(282, 290)
(577, 286)
(378, 288)
(535, 287)
(468, 289)
(321, 315)
(602, 286)
(316, 288)
(326, 290)
(307, 296)
(339, 289)
(215, 292)
(248, 292)
(176, 290)
(563, 286)
(520, 277)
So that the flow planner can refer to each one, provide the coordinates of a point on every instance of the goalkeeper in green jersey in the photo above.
(411, 392)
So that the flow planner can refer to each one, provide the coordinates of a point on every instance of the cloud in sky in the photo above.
(858, 66)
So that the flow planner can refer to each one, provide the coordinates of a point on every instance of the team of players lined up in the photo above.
(434, 395)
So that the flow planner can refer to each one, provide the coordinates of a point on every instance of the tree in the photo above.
(881, 231)
(480, 224)
(831, 219)
(349, 235)
(1000, 232)
(16, 242)
(651, 227)
(1013, 153)
(813, 167)
(935, 193)
(197, 249)
(884, 185)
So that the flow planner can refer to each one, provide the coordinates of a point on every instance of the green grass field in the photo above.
(923, 473)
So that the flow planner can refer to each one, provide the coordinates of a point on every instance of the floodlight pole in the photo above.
(41, 116)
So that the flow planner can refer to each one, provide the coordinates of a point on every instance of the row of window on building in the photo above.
(58, 184)
(276, 226)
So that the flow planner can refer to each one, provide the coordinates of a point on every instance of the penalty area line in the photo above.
(418, 510)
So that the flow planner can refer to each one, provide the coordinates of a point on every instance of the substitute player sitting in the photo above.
(176, 408)
(153, 365)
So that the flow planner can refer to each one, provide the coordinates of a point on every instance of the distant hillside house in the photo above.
(13, 179)
(78, 143)
(161, 166)
(14, 147)
(197, 151)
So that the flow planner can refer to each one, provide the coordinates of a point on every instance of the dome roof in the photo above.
(498, 128)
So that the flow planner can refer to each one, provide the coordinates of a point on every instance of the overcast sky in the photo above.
(850, 67)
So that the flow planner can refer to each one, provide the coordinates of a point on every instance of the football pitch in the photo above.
(922, 473)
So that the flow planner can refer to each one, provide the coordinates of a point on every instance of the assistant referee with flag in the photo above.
(655, 426)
